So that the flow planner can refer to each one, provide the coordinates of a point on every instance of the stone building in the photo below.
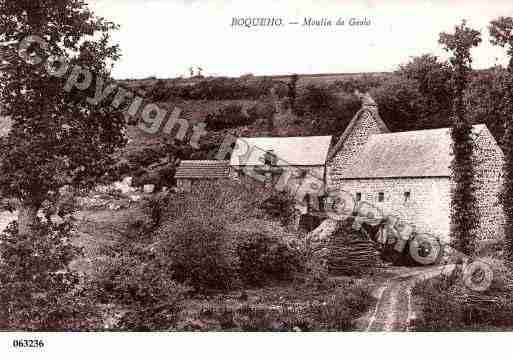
(407, 174)
(292, 164)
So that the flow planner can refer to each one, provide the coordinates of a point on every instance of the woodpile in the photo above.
(349, 252)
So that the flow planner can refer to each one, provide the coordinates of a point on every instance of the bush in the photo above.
(279, 205)
(225, 201)
(316, 273)
(205, 242)
(143, 286)
(146, 157)
(262, 110)
(38, 291)
(129, 275)
(338, 312)
(199, 255)
(228, 117)
(453, 306)
(263, 260)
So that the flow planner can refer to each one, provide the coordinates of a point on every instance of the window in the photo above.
(407, 196)
(381, 197)
(358, 197)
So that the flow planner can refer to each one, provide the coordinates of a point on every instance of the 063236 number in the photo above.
(28, 343)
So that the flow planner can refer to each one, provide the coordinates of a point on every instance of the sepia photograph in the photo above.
(311, 172)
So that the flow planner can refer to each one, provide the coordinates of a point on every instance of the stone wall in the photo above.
(364, 128)
(427, 206)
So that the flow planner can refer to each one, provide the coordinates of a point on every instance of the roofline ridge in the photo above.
(374, 111)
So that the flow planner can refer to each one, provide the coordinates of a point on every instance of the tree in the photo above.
(464, 214)
(433, 78)
(58, 137)
(401, 105)
(501, 32)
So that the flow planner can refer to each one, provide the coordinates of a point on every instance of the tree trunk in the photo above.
(27, 215)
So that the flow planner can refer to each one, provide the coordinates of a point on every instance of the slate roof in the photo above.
(373, 111)
(203, 169)
(290, 151)
(425, 153)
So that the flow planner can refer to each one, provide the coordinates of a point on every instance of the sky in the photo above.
(164, 38)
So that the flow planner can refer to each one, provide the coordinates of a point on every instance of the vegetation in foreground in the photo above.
(213, 259)
(449, 305)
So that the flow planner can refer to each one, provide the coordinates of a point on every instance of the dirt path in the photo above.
(394, 310)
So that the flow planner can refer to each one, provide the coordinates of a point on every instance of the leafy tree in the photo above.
(433, 78)
(400, 103)
(501, 31)
(58, 137)
(325, 111)
(464, 215)
(485, 100)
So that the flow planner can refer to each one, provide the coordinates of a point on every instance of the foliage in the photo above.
(501, 31)
(334, 312)
(38, 290)
(324, 111)
(263, 260)
(279, 205)
(57, 138)
(400, 103)
(199, 255)
(450, 305)
(127, 275)
(226, 201)
(464, 214)
(146, 156)
(159, 92)
(262, 110)
(204, 248)
(219, 88)
(434, 84)
(227, 117)
(155, 206)
(316, 272)
(485, 101)
(143, 286)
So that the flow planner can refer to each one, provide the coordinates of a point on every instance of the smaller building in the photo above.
(293, 164)
(190, 172)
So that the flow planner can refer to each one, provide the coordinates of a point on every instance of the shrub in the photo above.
(316, 272)
(453, 306)
(279, 205)
(263, 260)
(262, 110)
(146, 157)
(227, 117)
(155, 206)
(133, 278)
(38, 291)
(225, 201)
(338, 312)
(199, 236)
(199, 255)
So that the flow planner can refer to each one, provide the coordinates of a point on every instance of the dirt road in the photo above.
(394, 309)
